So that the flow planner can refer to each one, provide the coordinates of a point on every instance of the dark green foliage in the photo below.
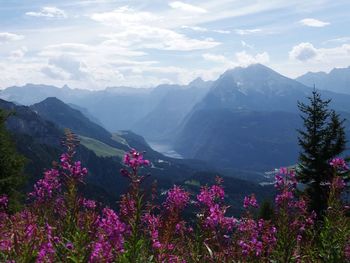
(266, 210)
(322, 138)
(244, 140)
(11, 165)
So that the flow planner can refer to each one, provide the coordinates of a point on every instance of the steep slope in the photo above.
(56, 111)
(161, 122)
(26, 121)
(337, 80)
(39, 141)
(254, 141)
(259, 88)
(248, 120)
(86, 113)
(253, 88)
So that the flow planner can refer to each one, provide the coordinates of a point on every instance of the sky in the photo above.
(94, 44)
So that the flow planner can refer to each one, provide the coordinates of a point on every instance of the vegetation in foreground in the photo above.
(60, 225)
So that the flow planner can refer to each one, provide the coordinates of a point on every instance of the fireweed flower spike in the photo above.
(177, 199)
(58, 223)
(45, 188)
(250, 201)
(134, 159)
(3, 202)
(339, 164)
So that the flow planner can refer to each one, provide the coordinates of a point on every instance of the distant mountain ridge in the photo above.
(337, 80)
(117, 108)
(34, 93)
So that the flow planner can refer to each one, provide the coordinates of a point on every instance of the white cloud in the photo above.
(148, 37)
(108, 49)
(96, 66)
(7, 37)
(303, 52)
(338, 40)
(325, 60)
(49, 12)
(247, 31)
(313, 22)
(72, 49)
(222, 31)
(196, 28)
(125, 17)
(241, 59)
(54, 73)
(64, 66)
(215, 58)
(19, 53)
(113, 47)
(142, 30)
(116, 46)
(244, 59)
(203, 29)
(245, 44)
(187, 7)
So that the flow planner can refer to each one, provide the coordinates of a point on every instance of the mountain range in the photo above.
(337, 80)
(248, 120)
(38, 130)
(120, 108)
(241, 124)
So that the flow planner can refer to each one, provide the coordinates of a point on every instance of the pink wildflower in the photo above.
(45, 188)
(347, 252)
(3, 201)
(177, 198)
(250, 201)
(134, 159)
(338, 183)
(339, 164)
(112, 228)
(88, 204)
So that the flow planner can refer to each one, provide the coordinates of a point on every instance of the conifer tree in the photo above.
(11, 166)
(322, 138)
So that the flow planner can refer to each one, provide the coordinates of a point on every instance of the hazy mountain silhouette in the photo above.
(337, 80)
